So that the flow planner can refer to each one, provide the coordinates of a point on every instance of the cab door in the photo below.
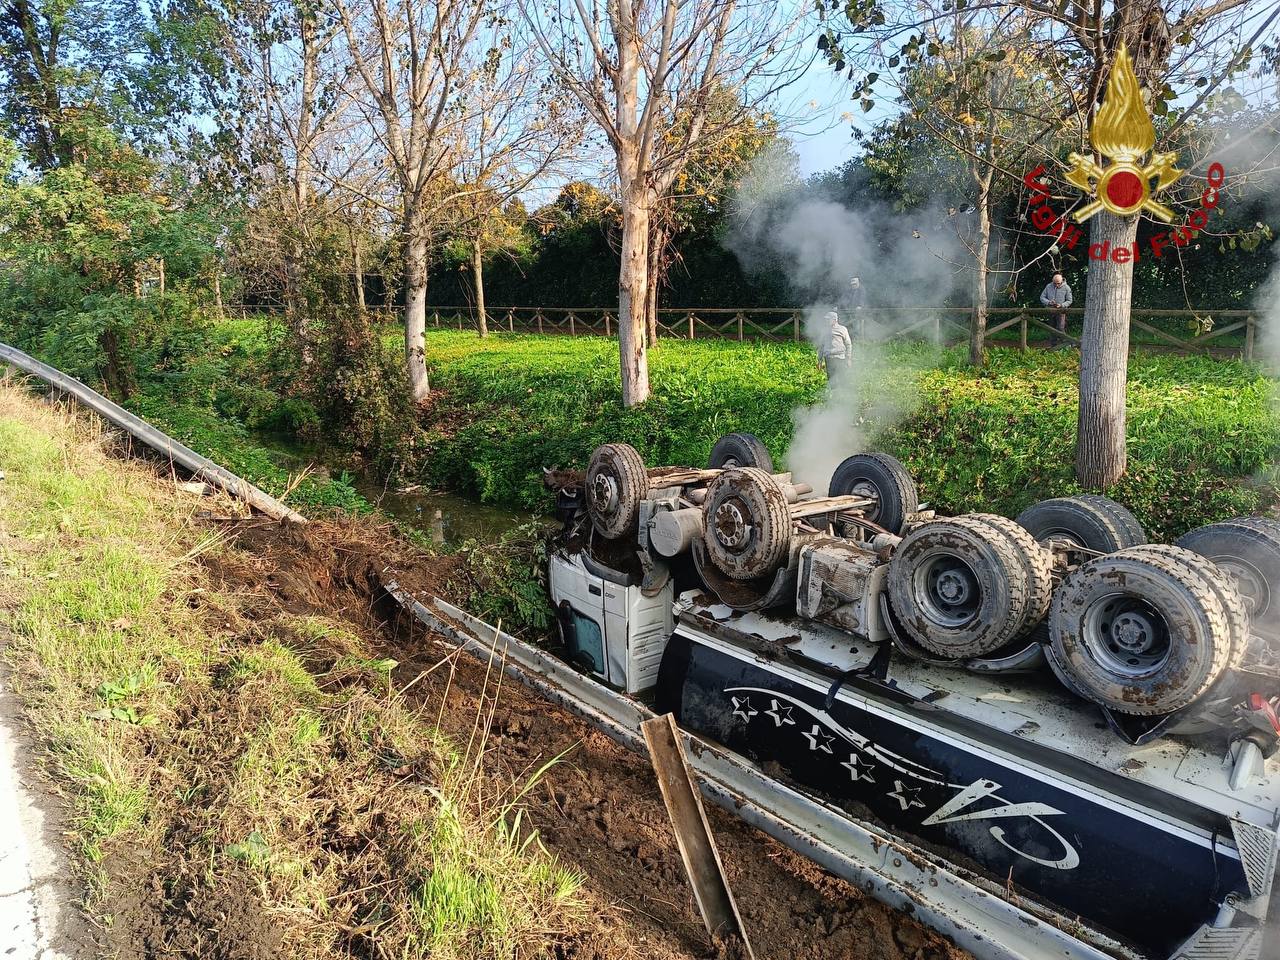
(578, 597)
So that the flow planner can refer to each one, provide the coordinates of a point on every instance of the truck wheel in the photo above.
(740, 450)
(1038, 560)
(1222, 583)
(746, 523)
(966, 586)
(1140, 631)
(883, 478)
(1087, 520)
(1247, 549)
(616, 484)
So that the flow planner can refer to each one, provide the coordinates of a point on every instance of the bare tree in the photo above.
(517, 127)
(411, 59)
(1174, 48)
(638, 66)
(1171, 46)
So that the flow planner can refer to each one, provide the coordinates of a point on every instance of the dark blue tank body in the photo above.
(1080, 839)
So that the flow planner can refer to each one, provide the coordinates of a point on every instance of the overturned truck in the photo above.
(1049, 705)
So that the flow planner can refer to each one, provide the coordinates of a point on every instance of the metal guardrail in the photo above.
(898, 874)
(943, 325)
(163, 444)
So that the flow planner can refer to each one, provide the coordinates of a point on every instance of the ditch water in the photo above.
(447, 518)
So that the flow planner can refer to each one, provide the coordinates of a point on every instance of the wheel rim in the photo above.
(947, 590)
(1061, 533)
(1250, 582)
(1126, 635)
(604, 493)
(865, 488)
(733, 529)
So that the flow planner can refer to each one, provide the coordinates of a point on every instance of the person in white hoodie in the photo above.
(1057, 297)
(835, 349)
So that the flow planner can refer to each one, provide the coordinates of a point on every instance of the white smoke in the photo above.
(910, 259)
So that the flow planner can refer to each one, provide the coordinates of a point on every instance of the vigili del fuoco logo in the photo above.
(1122, 132)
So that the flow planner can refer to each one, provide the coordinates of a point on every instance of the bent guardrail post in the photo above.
(138, 428)
(693, 831)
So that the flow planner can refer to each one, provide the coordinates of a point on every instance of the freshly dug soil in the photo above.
(598, 810)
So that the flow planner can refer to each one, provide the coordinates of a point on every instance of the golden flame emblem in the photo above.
(1122, 132)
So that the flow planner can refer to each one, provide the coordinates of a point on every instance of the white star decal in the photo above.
(858, 768)
(815, 735)
(780, 715)
(742, 708)
(905, 795)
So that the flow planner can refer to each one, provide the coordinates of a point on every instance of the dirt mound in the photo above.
(598, 810)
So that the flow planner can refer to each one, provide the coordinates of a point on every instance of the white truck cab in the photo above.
(609, 627)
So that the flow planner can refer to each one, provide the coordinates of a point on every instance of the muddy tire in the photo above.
(746, 523)
(1142, 631)
(740, 450)
(1246, 549)
(880, 476)
(1222, 583)
(967, 586)
(616, 484)
(1088, 520)
(1039, 563)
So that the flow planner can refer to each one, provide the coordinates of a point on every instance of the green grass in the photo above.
(1204, 435)
(205, 733)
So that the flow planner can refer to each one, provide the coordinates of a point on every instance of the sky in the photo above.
(825, 118)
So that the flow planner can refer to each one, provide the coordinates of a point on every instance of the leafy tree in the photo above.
(103, 263)
(67, 66)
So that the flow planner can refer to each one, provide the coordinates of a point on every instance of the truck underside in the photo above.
(1137, 818)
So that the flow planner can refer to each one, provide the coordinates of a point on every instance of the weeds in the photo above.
(1204, 434)
(209, 745)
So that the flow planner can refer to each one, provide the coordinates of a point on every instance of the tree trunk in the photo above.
(357, 268)
(477, 279)
(978, 331)
(1101, 456)
(656, 243)
(217, 288)
(632, 297)
(415, 312)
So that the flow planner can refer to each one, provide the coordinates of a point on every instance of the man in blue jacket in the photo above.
(1057, 297)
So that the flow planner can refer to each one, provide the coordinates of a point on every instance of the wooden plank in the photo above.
(1180, 344)
(1003, 326)
(693, 831)
(679, 476)
(811, 508)
(1223, 331)
(1054, 330)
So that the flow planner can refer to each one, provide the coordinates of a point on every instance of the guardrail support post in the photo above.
(693, 831)
(1249, 334)
(795, 327)
(607, 331)
(691, 326)
(739, 328)
(1022, 334)
(573, 324)
(538, 317)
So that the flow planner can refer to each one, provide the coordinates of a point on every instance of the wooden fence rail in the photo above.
(1230, 332)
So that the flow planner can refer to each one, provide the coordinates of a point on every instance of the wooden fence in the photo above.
(1233, 332)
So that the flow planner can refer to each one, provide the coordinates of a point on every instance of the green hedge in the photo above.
(1204, 436)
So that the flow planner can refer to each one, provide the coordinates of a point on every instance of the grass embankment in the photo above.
(1204, 435)
(236, 772)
